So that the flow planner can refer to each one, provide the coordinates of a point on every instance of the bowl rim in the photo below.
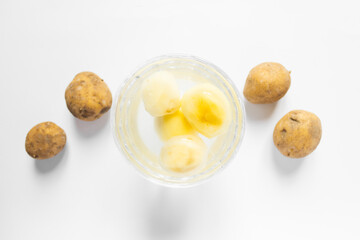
(153, 179)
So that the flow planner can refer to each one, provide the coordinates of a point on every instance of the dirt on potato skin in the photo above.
(88, 97)
(45, 140)
(297, 134)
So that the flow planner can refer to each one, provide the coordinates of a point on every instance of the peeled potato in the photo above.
(88, 97)
(45, 140)
(267, 83)
(207, 109)
(160, 94)
(183, 154)
(173, 125)
(297, 134)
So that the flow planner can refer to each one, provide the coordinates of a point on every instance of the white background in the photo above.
(90, 192)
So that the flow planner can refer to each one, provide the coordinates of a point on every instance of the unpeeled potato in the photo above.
(297, 134)
(88, 97)
(45, 140)
(267, 83)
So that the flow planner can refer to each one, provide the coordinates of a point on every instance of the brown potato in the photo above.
(88, 97)
(267, 83)
(45, 140)
(297, 134)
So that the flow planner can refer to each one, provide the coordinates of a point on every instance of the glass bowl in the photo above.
(133, 128)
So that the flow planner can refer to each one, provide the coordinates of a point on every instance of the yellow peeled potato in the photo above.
(182, 154)
(267, 83)
(160, 94)
(173, 125)
(297, 134)
(207, 109)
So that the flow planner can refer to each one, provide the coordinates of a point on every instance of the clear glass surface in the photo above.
(134, 131)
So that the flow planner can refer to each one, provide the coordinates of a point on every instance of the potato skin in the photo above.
(297, 134)
(45, 140)
(267, 83)
(88, 97)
